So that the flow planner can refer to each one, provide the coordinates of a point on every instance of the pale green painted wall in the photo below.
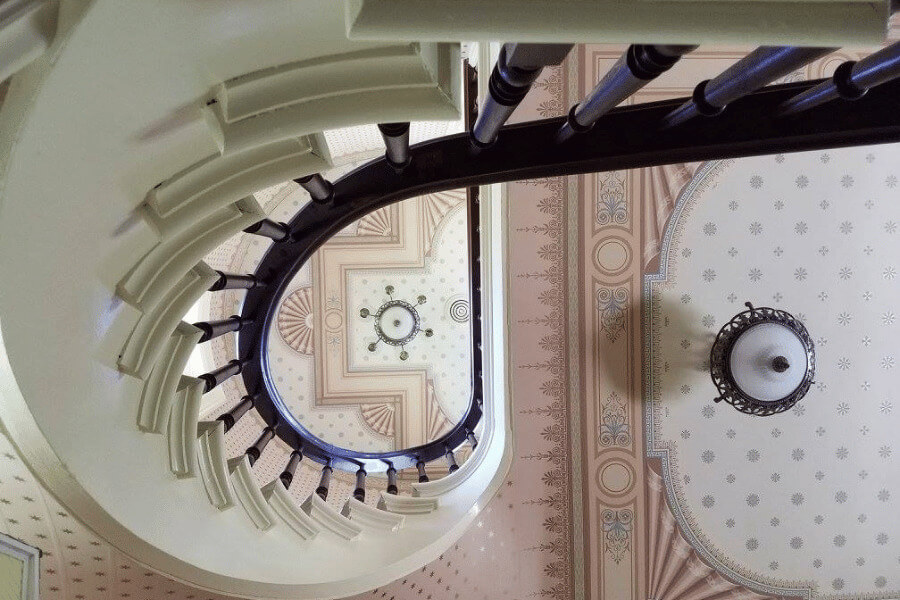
(12, 571)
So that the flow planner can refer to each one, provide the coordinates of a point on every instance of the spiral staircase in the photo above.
(166, 118)
(132, 140)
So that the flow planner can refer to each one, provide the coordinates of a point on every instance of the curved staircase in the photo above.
(129, 151)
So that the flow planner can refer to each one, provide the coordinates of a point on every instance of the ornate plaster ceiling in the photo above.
(582, 515)
(319, 354)
(805, 498)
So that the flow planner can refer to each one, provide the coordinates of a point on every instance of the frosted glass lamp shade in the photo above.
(763, 361)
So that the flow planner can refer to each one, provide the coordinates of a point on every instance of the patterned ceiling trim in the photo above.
(803, 240)
(705, 178)
(379, 418)
(295, 321)
(434, 208)
(676, 571)
(438, 423)
(377, 223)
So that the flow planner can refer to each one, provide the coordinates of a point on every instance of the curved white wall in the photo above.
(114, 108)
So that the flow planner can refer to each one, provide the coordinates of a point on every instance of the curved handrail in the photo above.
(627, 137)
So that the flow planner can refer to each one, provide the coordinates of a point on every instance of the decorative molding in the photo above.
(675, 570)
(434, 208)
(781, 22)
(296, 321)
(437, 423)
(160, 388)
(327, 518)
(459, 310)
(370, 517)
(249, 494)
(182, 427)
(612, 303)
(221, 180)
(287, 510)
(379, 417)
(741, 582)
(396, 403)
(612, 206)
(617, 532)
(147, 283)
(154, 328)
(407, 505)
(615, 430)
(214, 464)
(660, 189)
(417, 82)
(376, 223)
(548, 285)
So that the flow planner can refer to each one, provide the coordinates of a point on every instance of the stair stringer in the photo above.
(160, 388)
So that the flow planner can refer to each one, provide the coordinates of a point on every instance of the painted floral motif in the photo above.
(614, 427)
(612, 303)
(612, 206)
(617, 530)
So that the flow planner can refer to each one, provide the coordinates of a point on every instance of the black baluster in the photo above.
(641, 64)
(392, 480)
(324, 482)
(287, 476)
(850, 81)
(256, 450)
(420, 467)
(760, 67)
(473, 441)
(360, 492)
(222, 374)
(270, 229)
(320, 189)
(231, 417)
(213, 329)
(231, 281)
(517, 68)
(396, 142)
(451, 461)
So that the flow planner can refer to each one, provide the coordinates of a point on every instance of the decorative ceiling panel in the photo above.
(805, 499)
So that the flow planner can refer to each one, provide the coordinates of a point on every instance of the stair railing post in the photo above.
(324, 482)
(233, 416)
(287, 476)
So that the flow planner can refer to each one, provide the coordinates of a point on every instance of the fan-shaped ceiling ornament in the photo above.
(295, 321)
(677, 572)
(437, 421)
(376, 223)
(434, 208)
(379, 417)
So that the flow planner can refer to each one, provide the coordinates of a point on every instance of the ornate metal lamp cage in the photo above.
(720, 363)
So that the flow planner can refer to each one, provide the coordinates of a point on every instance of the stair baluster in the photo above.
(218, 376)
(256, 450)
(232, 281)
(324, 482)
(278, 232)
(360, 491)
(396, 142)
(392, 481)
(287, 476)
(233, 416)
(213, 329)
(320, 189)
(420, 467)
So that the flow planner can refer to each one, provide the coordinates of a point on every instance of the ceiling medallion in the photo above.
(397, 322)
(763, 361)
